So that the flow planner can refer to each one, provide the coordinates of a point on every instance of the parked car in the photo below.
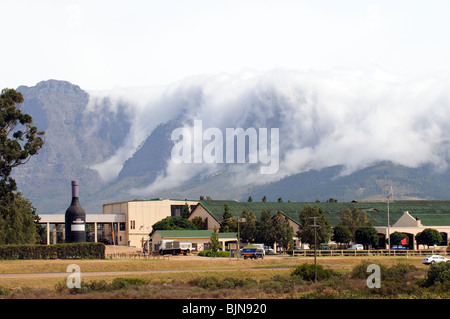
(356, 247)
(429, 260)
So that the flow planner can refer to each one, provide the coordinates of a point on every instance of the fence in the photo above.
(371, 252)
(137, 256)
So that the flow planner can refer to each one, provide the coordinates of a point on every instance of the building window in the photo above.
(132, 224)
(176, 210)
(122, 226)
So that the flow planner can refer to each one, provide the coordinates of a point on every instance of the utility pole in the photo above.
(315, 247)
(388, 193)
(240, 220)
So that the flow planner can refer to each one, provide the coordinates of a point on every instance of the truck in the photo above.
(174, 247)
(253, 252)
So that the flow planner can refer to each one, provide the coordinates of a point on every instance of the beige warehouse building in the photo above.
(140, 215)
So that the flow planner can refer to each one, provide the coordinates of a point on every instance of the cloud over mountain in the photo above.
(341, 117)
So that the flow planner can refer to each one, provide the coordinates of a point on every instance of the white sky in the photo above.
(105, 44)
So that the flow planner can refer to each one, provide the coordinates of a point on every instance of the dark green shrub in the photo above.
(100, 285)
(61, 251)
(270, 285)
(360, 270)
(211, 283)
(210, 253)
(438, 273)
(4, 291)
(398, 272)
(120, 283)
(395, 288)
(306, 272)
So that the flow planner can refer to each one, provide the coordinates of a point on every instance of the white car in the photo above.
(356, 247)
(429, 260)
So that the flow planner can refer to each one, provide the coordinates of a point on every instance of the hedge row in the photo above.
(57, 251)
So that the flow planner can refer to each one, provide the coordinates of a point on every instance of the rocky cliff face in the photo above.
(75, 139)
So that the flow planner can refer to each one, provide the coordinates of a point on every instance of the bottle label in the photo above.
(79, 227)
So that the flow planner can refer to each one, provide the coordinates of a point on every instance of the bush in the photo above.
(61, 251)
(119, 283)
(398, 272)
(306, 272)
(102, 285)
(210, 253)
(213, 283)
(360, 270)
(4, 291)
(438, 273)
(280, 283)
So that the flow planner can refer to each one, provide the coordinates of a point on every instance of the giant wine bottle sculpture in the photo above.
(75, 219)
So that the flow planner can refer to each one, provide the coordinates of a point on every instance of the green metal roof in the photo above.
(192, 234)
(431, 213)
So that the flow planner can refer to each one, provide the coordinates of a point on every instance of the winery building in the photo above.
(129, 223)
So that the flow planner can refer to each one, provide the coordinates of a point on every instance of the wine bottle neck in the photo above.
(75, 201)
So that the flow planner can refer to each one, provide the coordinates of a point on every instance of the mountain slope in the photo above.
(82, 132)
(71, 144)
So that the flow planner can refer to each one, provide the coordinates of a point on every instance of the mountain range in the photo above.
(94, 138)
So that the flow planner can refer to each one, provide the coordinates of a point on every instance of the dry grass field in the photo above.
(170, 278)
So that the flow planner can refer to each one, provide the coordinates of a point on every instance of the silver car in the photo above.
(429, 260)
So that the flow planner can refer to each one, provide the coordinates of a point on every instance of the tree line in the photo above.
(270, 228)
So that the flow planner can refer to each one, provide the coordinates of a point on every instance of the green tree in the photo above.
(250, 199)
(264, 227)
(306, 231)
(198, 222)
(19, 141)
(429, 237)
(341, 234)
(248, 229)
(354, 219)
(18, 222)
(173, 223)
(214, 244)
(186, 211)
(229, 222)
(397, 237)
(282, 231)
(367, 236)
(226, 212)
(264, 199)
